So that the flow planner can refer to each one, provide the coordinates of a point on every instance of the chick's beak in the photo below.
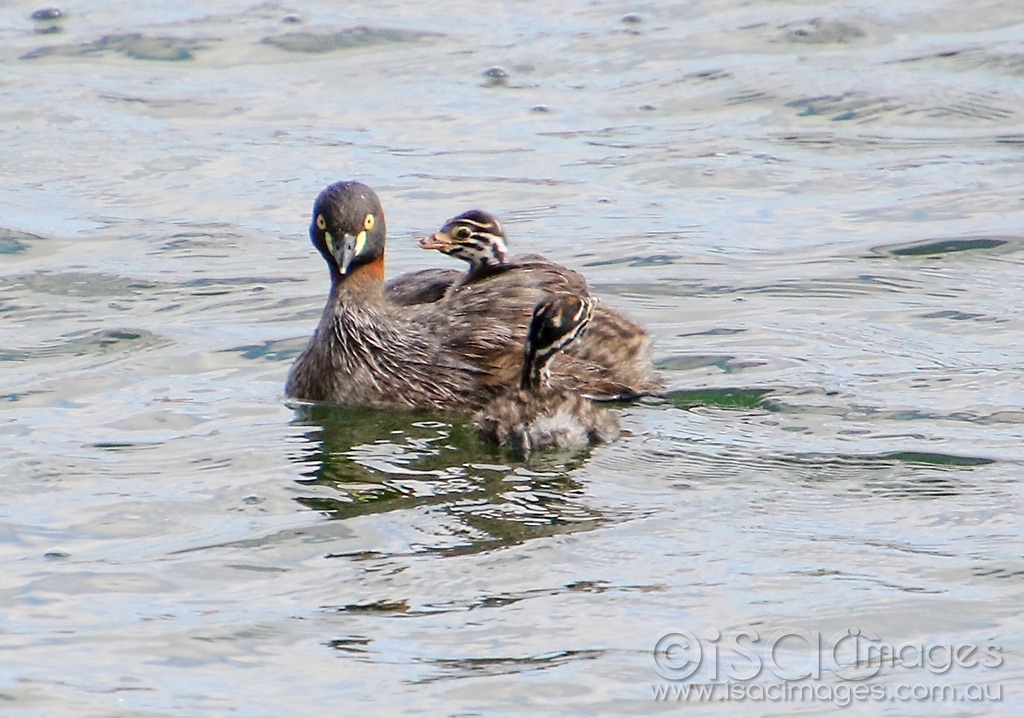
(441, 241)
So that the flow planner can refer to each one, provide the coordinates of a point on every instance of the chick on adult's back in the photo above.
(612, 339)
(536, 416)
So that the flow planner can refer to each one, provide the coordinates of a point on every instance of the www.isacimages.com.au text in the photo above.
(841, 694)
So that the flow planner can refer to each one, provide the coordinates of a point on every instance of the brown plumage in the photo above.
(457, 353)
(422, 286)
(536, 416)
(612, 339)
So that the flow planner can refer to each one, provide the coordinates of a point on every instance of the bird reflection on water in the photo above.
(360, 461)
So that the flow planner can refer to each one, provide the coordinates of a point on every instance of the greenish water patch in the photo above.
(382, 606)
(652, 260)
(933, 459)
(134, 45)
(822, 105)
(275, 350)
(350, 644)
(347, 39)
(14, 242)
(727, 398)
(104, 341)
(822, 32)
(9, 245)
(891, 474)
(952, 314)
(715, 332)
(944, 246)
(77, 284)
(502, 665)
(887, 458)
(688, 362)
(17, 395)
(120, 446)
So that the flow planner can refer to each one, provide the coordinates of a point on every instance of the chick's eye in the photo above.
(462, 233)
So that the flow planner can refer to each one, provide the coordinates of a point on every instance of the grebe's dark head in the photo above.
(348, 227)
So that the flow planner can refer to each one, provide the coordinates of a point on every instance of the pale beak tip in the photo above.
(435, 241)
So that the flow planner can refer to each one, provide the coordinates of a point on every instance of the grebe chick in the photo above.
(535, 416)
(475, 237)
(612, 339)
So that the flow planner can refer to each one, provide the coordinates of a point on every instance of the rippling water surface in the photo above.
(815, 207)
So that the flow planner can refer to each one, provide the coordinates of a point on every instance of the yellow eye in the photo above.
(321, 223)
(368, 222)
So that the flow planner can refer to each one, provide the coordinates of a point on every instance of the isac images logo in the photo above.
(789, 664)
